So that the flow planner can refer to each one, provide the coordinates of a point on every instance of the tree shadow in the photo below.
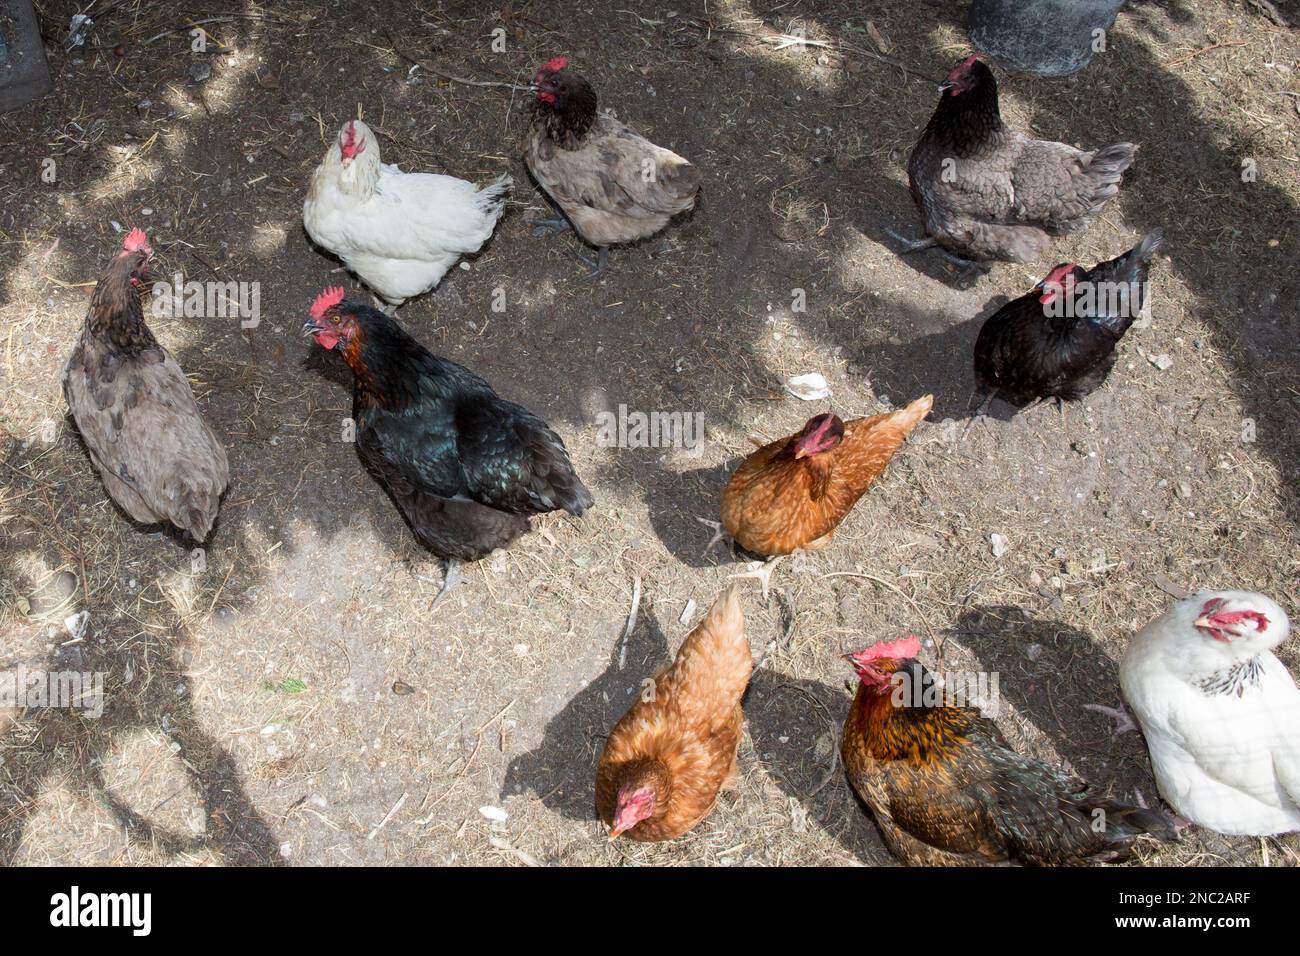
(795, 725)
(561, 770)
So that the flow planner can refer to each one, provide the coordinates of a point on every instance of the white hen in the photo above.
(399, 232)
(1220, 712)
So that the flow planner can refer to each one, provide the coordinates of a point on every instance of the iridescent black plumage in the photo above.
(1030, 350)
(465, 466)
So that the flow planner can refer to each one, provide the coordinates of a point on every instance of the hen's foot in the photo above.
(980, 412)
(912, 245)
(719, 534)
(968, 271)
(762, 572)
(598, 264)
(1123, 719)
(382, 306)
(450, 578)
(550, 228)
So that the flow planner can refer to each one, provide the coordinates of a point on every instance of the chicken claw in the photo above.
(450, 578)
(548, 228)
(762, 571)
(1123, 719)
(719, 534)
(980, 412)
(597, 265)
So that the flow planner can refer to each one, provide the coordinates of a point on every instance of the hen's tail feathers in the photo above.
(718, 647)
(574, 496)
(682, 181)
(1127, 273)
(492, 197)
(1106, 169)
(908, 418)
(1124, 823)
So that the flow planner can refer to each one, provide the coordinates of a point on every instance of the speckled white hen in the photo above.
(399, 232)
(1220, 712)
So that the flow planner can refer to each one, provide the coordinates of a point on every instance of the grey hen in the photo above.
(158, 459)
(989, 192)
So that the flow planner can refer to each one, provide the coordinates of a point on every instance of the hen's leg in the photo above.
(719, 534)
(912, 245)
(979, 413)
(598, 265)
(550, 228)
(450, 578)
(968, 271)
(762, 571)
(1123, 719)
(382, 306)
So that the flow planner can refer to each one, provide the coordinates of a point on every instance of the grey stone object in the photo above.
(1042, 37)
(24, 74)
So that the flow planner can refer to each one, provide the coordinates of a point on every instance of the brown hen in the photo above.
(133, 406)
(671, 753)
(791, 494)
(946, 789)
(612, 184)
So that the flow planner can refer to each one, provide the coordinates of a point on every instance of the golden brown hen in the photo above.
(791, 494)
(947, 790)
(671, 753)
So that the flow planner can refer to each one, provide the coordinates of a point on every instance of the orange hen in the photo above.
(671, 753)
(794, 492)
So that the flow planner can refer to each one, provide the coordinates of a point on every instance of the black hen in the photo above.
(465, 466)
(1058, 341)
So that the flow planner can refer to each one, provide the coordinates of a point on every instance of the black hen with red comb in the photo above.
(1059, 340)
(465, 466)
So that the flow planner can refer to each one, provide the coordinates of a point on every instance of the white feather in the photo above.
(1225, 760)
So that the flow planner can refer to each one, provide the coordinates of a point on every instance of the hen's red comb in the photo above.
(135, 240)
(902, 649)
(331, 297)
(961, 68)
(554, 66)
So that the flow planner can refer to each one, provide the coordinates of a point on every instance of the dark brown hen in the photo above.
(133, 406)
(987, 191)
(946, 789)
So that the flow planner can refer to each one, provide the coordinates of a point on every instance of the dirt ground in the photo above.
(295, 702)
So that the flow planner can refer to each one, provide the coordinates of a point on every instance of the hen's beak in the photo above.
(1213, 622)
(946, 85)
(310, 328)
(614, 832)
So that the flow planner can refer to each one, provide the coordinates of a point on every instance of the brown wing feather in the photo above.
(775, 504)
(692, 724)
(158, 459)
